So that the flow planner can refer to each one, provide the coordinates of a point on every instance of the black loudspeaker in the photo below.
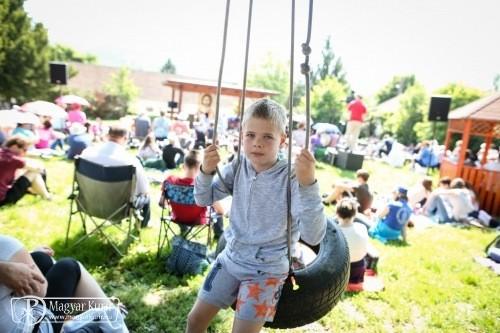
(173, 104)
(58, 73)
(349, 161)
(439, 108)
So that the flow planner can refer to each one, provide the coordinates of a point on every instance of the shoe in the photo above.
(370, 272)
(354, 287)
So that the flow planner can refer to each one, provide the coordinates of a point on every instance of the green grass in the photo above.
(432, 283)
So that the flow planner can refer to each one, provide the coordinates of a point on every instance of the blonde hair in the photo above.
(269, 110)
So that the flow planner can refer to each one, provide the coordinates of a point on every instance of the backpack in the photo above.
(187, 257)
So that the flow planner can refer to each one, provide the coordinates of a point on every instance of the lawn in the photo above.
(432, 283)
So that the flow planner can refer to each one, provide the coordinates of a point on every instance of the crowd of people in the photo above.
(256, 238)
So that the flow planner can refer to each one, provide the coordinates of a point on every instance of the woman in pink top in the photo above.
(76, 115)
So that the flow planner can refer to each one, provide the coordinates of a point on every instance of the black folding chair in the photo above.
(103, 195)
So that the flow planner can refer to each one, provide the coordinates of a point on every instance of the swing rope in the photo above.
(219, 88)
(305, 69)
(245, 69)
(290, 126)
(244, 85)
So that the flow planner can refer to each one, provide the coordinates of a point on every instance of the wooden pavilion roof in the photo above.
(483, 114)
(206, 86)
(486, 108)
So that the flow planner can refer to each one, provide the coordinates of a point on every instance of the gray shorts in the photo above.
(255, 295)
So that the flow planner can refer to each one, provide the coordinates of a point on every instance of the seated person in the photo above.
(78, 140)
(22, 274)
(149, 149)
(393, 218)
(191, 168)
(30, 174)
(454, 204)
(172, 154)
(26, 131)
(356, 236)
(113, 153)
(48, 138)
(359, 189)
(418, 195)
(427, 157)
(492, 162)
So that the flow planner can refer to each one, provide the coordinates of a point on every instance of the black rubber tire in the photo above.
(321, 283)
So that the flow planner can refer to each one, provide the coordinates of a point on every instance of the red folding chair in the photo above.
(179, 208)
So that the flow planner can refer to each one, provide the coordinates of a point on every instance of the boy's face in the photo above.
(261, 143)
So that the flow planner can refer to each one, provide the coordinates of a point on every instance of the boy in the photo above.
(359, 189)
(254, 265)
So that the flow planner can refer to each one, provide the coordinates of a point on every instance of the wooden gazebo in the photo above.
(479, 118)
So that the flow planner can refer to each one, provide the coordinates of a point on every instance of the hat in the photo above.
(402, 190)
(77, 129)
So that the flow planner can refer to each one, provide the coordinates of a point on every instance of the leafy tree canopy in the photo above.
(121, 93)
(460, 94)
(274, 75)
(169, 67)
(330, 66)
(23, 55)
(398, 85)
(271, 75)
(65, 53)
(328, 100)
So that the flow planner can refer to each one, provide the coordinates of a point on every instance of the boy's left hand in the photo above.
(304, 168)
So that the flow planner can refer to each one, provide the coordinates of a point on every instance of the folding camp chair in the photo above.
(179, 208)
(103, 195)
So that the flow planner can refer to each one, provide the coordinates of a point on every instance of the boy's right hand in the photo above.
(211, 158)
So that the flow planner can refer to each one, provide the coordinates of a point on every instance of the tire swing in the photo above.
(310, 292)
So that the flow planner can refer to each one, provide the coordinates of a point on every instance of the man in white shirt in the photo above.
(454, 204)
(113, 153)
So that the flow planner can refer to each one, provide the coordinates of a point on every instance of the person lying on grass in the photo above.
(252, 268)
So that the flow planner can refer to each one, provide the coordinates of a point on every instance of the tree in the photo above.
(169, 67)
(271, 75)
(331, 65)
(120, 95)
(23, 55)
(328, 100)
(413, 106)
(397, 86)
(460, 96)
(59, 52)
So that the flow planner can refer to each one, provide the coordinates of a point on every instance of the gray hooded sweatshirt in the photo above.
(257, 233)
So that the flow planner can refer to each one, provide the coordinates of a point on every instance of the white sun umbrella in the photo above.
(10, 118)
(43, 108)
(72, 99)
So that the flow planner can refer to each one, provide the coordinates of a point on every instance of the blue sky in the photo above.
(440, 41)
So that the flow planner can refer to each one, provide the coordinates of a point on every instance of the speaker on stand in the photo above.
(439, 108)
(58, 73)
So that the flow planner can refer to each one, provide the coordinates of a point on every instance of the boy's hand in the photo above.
(210, 159)
(304, 168)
